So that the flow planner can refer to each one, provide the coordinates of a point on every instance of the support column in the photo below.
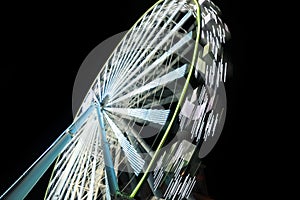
(109, 167)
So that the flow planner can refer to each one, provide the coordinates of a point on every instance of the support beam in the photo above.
(109, 167)
(21, 188)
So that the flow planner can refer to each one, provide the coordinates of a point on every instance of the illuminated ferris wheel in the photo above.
(156, 108)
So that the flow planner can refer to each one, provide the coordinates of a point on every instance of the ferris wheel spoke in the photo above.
(99, 89)
(167, 100)
(127, 49)
(143, 44)
(80, 177)
(135, 40)
(143, 58)
(89, 153)
(132, 133)
(93, 168)
(159, 96)
(104, 78)
(151, 115)
(169, 77)
(140, 97)
(117, 58)
(135, 160)
(158, 61)
(62, 163)
(74, 170)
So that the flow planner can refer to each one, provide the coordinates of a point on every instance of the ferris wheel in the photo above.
(155, 109)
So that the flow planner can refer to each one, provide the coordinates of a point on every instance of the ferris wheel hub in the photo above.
(104, 101)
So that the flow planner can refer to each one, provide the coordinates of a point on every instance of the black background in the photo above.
(42, 48)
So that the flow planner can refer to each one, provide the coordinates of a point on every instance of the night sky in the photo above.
(42, 48)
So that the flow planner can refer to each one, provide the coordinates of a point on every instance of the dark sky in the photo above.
(42, 48)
